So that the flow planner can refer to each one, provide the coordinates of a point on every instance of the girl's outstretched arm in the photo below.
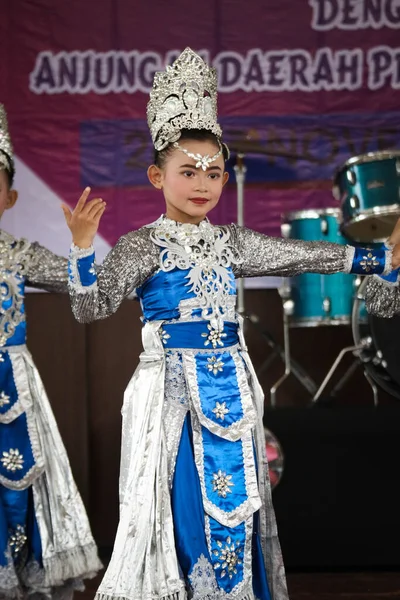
(265, 255)
(97, 292)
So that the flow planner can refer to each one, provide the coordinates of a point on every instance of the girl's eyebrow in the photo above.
(193, 167)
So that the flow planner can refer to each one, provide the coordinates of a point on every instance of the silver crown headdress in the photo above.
(184, 96)
(6, 154)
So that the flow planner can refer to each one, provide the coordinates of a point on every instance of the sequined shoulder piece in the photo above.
(15, 254)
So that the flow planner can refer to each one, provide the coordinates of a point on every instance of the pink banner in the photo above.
(303, 86)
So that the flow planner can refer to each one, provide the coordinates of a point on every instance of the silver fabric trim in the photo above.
(186, 308)
(388, 261)
(144, 564)
(236, 430)
(350, 251)
(203, 581)
(253, 502)
(68, 548)
(267, 523)
(9, 583)
(74, 282)
(21, 365)
(176, 406)
(244, 589)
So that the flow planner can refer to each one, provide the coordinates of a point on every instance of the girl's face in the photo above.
(7, 197)
(190, 193)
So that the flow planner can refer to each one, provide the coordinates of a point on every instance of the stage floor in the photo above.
(322, 586)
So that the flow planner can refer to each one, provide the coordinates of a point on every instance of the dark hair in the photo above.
(9, 172)
(198, 135)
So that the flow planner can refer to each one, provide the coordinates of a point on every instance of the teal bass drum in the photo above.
(319, 299)
(368, 187)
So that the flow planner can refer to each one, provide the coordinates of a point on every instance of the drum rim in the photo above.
(310, 213)
(388, 386)
(366, 158)
(390, 209)
(319, 321)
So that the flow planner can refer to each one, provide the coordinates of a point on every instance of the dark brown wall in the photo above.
(85, 369)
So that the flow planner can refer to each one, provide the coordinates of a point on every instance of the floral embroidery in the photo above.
(18, 539)
(214, 337)
(222, 483)
(228, 557)
(204, 251)
(4, 399)
(12, 460)
(14, 256)
(215, 365)
(369, 262)
(164, 336)
(220, 410)
(202, 579)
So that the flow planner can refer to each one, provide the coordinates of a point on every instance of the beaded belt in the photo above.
(198, 334)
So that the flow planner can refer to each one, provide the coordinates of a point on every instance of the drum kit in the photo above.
(366, 190)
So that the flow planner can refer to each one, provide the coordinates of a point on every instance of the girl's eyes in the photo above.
(192, 174)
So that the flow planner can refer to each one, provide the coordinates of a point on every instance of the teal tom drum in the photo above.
(368, 187)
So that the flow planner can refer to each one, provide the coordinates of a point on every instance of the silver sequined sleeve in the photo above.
(381, 298)
(132, 260)
(46, 270)
(264, 255)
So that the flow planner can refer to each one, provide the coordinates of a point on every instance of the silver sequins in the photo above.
(229, 557)
(221, 483)
(12, 460)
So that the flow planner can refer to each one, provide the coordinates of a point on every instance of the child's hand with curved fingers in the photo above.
(84, 220)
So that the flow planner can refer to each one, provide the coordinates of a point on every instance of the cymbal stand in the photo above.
(240, 172)
(361, 345)
(291, 366)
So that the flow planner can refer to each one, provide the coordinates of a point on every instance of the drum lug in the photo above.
(351, 176)
(378, 360)
(336, 192)
(326, 305)
(324, 226)
(354, 202)
(286, 229)
(288, 307)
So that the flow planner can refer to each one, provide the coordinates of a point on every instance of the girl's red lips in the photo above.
(199, 200)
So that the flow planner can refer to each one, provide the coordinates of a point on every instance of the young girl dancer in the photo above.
(46, 547)
(196, 514)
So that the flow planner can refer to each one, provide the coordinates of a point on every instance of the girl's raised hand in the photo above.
(84, 220)
(394, 240)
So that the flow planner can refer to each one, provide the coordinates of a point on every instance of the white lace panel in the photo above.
(176, 405)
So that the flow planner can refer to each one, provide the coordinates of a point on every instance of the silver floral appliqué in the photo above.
(220, 410)
(215, 365)
(222, 483)
(12, 460)
(228, 557)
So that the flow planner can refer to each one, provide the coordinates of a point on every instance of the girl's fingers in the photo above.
(97, 215)
(82, 200)
(395, 237)
(92, 206)
(67, 213)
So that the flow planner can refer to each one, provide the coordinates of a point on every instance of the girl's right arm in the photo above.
(97, 292)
